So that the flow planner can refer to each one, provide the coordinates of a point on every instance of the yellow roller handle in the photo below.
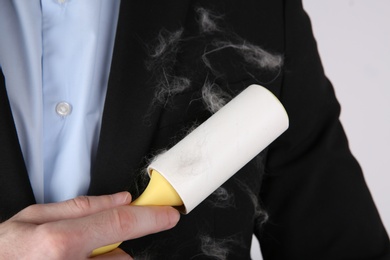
(159, 192)
(104, 249)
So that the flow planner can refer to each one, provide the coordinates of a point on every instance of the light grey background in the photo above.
(353, 38)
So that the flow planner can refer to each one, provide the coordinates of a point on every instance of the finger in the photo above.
(131, 222)
(73, 208)
(115, 225)
(117, 254)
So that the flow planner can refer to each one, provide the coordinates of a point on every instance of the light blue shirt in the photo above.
(56, 56)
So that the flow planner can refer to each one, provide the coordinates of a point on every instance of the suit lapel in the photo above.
(128, 123)
(15, 188)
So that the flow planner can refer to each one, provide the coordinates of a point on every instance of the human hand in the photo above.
(72, 229)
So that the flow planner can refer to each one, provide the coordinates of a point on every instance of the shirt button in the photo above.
(63, 109)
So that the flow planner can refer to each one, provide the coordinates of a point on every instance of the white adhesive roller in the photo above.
(222, 145)
(196, 166)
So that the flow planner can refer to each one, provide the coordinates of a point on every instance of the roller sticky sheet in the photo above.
(222, 145)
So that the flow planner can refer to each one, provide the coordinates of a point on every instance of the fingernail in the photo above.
(174, 217)
(121, 198)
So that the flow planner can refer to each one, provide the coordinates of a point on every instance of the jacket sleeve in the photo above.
(314, 191)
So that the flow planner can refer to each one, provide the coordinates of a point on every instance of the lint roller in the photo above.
(201, 162)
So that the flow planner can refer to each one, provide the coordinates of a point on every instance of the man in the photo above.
(304, 197)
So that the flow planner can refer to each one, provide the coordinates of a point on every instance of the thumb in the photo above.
(122, 223)
(73, 208)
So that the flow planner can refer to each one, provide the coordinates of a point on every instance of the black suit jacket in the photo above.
(316, 201)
